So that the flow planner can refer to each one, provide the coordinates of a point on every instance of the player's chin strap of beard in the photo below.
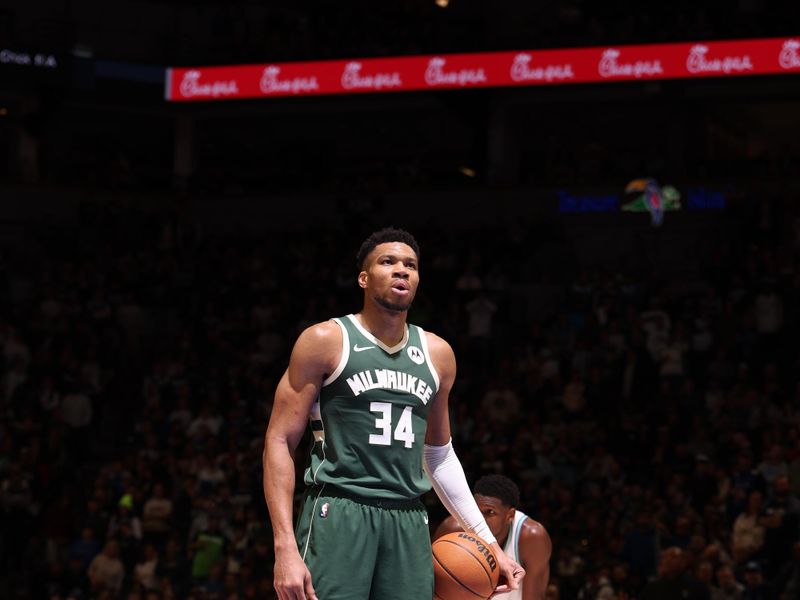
(447, 476)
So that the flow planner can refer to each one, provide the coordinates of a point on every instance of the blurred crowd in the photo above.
(652, 421)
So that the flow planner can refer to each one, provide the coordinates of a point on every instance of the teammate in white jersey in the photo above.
(524, 540)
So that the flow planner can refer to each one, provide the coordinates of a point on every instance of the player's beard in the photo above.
(392, 305)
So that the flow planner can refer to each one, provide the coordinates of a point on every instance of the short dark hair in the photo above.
(500, 487)
(382, 236)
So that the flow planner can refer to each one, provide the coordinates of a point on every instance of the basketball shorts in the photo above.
(363, 548)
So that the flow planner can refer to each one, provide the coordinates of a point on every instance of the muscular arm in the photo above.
(535, 549)
(315, 354)
(446, 472)
(444, 361)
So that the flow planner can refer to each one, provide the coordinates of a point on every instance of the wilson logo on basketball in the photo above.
(482, 548)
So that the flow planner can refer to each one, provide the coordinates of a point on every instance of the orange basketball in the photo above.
(464, 568)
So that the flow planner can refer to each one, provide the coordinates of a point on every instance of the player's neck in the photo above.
(501, 541)
(387, 325)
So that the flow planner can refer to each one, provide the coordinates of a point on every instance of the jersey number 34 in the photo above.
(402, 432)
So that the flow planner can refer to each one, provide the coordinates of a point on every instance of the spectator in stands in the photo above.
(156, 515)
(85, 548)
(788, 581)
(727, 587)
(208, 549)
(755, 588)
(145, 570)
(748, 532)
(673, 581)
(106, 571)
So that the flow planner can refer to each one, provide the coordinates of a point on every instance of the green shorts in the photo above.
(365, 549)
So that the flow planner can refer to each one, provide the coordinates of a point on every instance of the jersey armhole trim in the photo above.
(517, 535)
(423, 340)
(345, 355)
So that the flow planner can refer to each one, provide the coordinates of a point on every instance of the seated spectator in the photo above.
(209, 474)
(126, 528)
(640, 546)
(145, 571)
(727, 587)
(704, 573)
(673, 581)
(173, 565)
(85, 548)
(500, 402)
(755, 588)
(781, 522)
(156, 514)
(207, 549)
(748, 532)
(788, 581)
(106, 571)
(208, 422)
(773, 466)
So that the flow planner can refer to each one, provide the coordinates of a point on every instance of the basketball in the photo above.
(464, 567)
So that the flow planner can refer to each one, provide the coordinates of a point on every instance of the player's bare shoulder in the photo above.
(319, 345)
(442, 355)
(534, 536)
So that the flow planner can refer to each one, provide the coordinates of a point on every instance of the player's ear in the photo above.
(510, 515)
(362, 279)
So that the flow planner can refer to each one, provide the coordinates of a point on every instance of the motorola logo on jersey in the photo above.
(416, 355)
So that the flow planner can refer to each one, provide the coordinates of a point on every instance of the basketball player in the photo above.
(524, 540)
(376, 392)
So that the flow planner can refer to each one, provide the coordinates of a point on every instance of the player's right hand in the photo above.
(292, 578)
(510, 571)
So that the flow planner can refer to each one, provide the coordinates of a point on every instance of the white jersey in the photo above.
(512, 551)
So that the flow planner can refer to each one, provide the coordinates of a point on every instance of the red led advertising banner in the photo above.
(487, 69)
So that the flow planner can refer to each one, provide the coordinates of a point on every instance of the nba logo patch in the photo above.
(323, 511)
(416, 355)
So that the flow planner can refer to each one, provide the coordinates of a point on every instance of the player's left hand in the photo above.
(511, 573)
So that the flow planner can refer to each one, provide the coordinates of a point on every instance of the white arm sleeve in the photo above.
(447, 476)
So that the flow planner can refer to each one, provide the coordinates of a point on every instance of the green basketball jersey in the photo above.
(370, 419)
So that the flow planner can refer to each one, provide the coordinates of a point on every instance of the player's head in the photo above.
(388, 264)
(497, 497)
(673, 562)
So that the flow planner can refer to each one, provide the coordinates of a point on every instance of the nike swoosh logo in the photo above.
(426, 519)
(361, 349)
